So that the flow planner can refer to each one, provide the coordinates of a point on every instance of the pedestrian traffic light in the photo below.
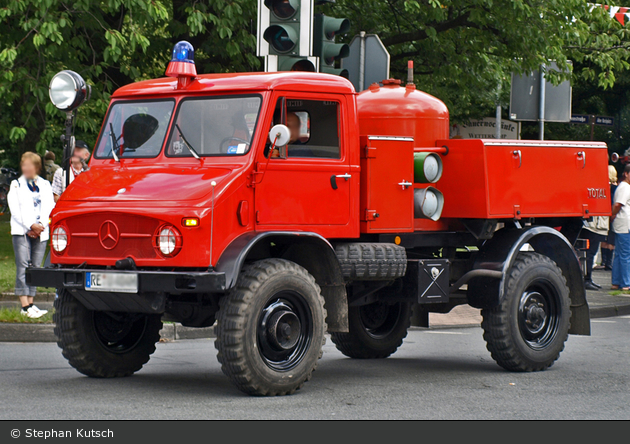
(324, 45)
(284, 27)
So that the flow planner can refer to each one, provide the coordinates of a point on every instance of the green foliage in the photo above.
(464, 49)
(110, 43)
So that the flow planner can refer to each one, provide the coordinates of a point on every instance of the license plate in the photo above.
(112, 282)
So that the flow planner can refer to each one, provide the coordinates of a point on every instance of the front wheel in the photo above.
(270, 328)
(375, 330)
(527, 331)
(101, 344)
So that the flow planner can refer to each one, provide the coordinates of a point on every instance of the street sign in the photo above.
(605, 121)
(525, 98)
(579, 118)
(586, 119)
(368, 61)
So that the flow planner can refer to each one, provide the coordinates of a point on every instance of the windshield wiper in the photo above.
(188, 145)
(115, 146)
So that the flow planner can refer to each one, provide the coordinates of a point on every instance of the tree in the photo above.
(464, 49)
(110, 43)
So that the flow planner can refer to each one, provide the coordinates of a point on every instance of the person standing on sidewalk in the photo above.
(621, 227)
(31, 202)
(608, 246)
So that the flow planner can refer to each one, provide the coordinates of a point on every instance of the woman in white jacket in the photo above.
(30, 201)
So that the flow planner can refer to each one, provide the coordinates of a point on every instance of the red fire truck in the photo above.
(282, 206)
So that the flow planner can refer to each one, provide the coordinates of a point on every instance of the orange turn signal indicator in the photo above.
(190, 222)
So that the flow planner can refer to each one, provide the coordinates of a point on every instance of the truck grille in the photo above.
(111, 235)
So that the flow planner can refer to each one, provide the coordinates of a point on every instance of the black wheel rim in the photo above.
(284, 331)
(379, 320)
(119, 332)
(539, 314)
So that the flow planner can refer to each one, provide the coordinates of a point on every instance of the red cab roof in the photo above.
(255, 81)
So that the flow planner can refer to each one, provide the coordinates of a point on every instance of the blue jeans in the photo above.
(621, 262)
(28, 252)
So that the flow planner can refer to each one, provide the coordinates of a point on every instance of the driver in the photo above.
(294, 124)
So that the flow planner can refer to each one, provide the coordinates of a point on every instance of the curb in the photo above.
(176, 332)
(610, 311)
(10, 332)
(27, 332)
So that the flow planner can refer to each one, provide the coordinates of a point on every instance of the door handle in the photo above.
(404, 184)
(582, 155)
(333, 179)
(520, 157)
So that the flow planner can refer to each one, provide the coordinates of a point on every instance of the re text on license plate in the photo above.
(112, 282)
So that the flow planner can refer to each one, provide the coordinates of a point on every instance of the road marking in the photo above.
(624, 317)
(603, 322)
(446, 332)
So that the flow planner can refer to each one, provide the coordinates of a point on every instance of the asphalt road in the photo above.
(437, 374)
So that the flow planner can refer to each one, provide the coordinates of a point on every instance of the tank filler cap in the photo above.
(374, 87)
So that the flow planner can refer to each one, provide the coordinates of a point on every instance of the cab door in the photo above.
(308, 185)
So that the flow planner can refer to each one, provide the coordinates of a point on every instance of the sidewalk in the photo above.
(601, 305)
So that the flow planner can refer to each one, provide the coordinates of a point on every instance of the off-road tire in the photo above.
(362, 342)
(510, 340)
(371, 262)
(240, 339)
(76, 332)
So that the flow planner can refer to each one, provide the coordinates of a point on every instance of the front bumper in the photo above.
(153, 287)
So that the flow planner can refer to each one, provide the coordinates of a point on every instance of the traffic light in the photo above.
(324, 46)
(285, 35)
(288, 63)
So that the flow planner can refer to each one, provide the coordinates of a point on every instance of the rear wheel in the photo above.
(270, 328)
(527, 331)
(103, 344)
(375, 330)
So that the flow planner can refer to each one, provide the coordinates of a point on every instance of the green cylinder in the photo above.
(427, 167)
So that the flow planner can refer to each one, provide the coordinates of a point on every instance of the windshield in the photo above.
(214, 126)
(135, 129)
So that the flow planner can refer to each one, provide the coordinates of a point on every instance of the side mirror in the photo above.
(614, 157)
(280, 134)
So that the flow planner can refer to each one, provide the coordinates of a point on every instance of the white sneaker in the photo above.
(42, 312)
(32, 313)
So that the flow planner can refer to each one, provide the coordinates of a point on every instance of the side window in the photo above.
(314, 126)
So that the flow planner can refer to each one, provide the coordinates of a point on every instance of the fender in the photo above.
(309, 250)
(499, 253)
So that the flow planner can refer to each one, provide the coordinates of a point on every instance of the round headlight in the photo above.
(59, 239)
(168, 240)
(68, 90)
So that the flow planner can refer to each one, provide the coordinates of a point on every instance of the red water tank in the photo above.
(394, 110)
